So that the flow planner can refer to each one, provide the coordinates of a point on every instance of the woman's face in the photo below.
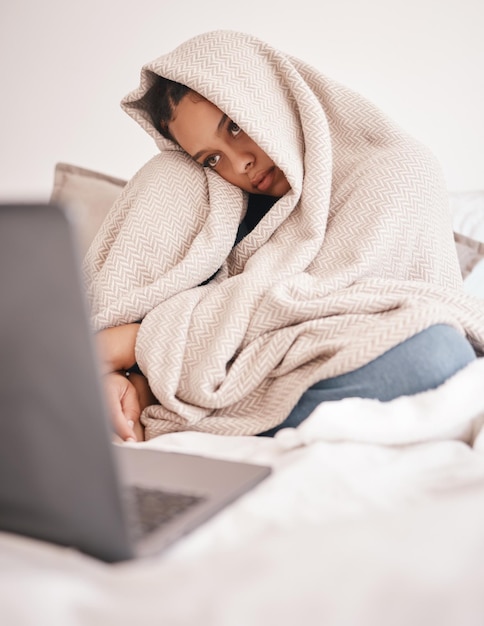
(214, 141)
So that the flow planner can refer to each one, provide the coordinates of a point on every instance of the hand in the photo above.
(117, 347)
(123, 405)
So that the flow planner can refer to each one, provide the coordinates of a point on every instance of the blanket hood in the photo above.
(256, 85)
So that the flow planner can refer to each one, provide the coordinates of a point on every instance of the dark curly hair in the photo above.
(160, 102)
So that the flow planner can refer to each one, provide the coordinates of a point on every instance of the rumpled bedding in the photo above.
(374, 515)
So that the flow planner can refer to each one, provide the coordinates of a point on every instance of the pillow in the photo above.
(468, 222)
(468, 213)
(87, 197)
(470, 252)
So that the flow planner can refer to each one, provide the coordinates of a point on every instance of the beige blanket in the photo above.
(357, 257)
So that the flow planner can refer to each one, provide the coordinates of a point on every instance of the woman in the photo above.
(333, 274)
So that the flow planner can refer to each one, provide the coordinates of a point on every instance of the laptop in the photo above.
(63, 479)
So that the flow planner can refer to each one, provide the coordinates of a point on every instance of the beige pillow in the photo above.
(87, 197)
(470, 253)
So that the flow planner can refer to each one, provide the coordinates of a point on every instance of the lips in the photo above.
(263, 181)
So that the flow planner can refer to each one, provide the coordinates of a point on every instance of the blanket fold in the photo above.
(355, 258)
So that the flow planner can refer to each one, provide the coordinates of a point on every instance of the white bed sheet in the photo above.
(374, 515)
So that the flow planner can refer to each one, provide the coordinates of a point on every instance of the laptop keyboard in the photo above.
(155, 507)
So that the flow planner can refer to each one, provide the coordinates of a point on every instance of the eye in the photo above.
(234, 129)
(211, 161)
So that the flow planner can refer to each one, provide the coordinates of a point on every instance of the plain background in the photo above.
(66, 65)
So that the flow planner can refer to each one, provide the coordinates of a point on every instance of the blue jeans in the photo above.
(420, 363)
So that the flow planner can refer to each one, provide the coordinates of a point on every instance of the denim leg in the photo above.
(422, 362)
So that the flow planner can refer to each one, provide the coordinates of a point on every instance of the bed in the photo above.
(374, 513)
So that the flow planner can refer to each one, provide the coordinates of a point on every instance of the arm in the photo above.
(116, 347)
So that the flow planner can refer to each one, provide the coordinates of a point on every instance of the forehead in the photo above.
(195, 123)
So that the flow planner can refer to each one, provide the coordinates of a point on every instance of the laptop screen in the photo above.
(58, 475)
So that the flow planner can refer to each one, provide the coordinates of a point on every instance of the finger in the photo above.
(122, 426)
(115, 393)
(130, 405)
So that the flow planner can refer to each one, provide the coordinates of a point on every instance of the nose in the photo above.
(242, 161)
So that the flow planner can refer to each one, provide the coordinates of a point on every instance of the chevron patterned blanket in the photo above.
(356, 257)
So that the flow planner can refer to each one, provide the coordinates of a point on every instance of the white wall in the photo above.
(66, 65)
